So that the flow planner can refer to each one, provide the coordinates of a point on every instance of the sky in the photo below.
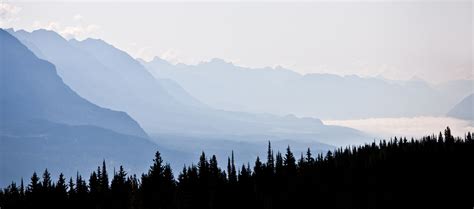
(395, 39)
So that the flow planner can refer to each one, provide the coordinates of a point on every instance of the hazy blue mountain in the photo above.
(110, 78)
(43, 123)
(464, 109)
(115, 80)
(179, 94)
(32, 89)
(108, 87)
(281, 91)
(168, 93)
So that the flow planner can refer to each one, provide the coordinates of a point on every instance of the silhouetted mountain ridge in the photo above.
(33, 90)
(115, 80)
(227, 86)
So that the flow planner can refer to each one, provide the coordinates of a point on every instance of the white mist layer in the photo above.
(409, 127)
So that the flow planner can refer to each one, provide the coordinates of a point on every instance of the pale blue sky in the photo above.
(396, 39)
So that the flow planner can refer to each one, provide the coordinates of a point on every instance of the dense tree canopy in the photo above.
(431, 172)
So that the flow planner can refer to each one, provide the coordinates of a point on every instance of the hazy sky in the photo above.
(396, 39)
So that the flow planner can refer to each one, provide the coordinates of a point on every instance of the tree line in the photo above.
(430, 172)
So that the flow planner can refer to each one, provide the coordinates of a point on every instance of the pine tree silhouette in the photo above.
(398, 173)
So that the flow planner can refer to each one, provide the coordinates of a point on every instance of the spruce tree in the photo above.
(61, 187)
(234, 172)
(104, 178)
(270, 160)
(309, 157)
(213, 167)
(258, 167)
(279, 164)
(60, 193)
(120, 190)
(203, 167)
(22, 188)
(46, 183)
(448, 137)
(72, 189)
(94, 184)
(290, 161)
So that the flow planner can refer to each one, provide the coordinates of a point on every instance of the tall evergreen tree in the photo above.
(278, 164)
(231, 173)
(120, 190)
(258, 167)
(104, 178)
(448, 136)
(309, 157)
(72, 189)
(81, 186)
(60, 193)
(290, 161)
(440, 137)
(203, 167)
(94, 183)
(46, 183)
(22, 188)
(61, 187)
(213, 167)
(270, 160)
(233, 170)
(302, 161)
(155, 188)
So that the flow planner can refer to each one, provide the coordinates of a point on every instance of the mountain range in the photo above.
(281, 91)
(111, 78)
(67, 105)
(89, 100)
(45, 124)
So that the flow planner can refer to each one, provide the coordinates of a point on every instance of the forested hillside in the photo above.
(431, 172)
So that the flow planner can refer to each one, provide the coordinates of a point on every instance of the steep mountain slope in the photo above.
(160, 106)
(464, 109)
(43, 123)
(281, 91)
(167, 94)
(31, 89)
(116, 82)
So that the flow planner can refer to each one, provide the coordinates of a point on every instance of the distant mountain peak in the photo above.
(96, 41)
(34, 90)
(92, 41)
(217, 62)
(279, 67)
(47, 33)
(159, 60)
(10, 30)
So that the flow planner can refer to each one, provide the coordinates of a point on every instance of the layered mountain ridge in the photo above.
(31, 89)
(111, 78)
(281, 91)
